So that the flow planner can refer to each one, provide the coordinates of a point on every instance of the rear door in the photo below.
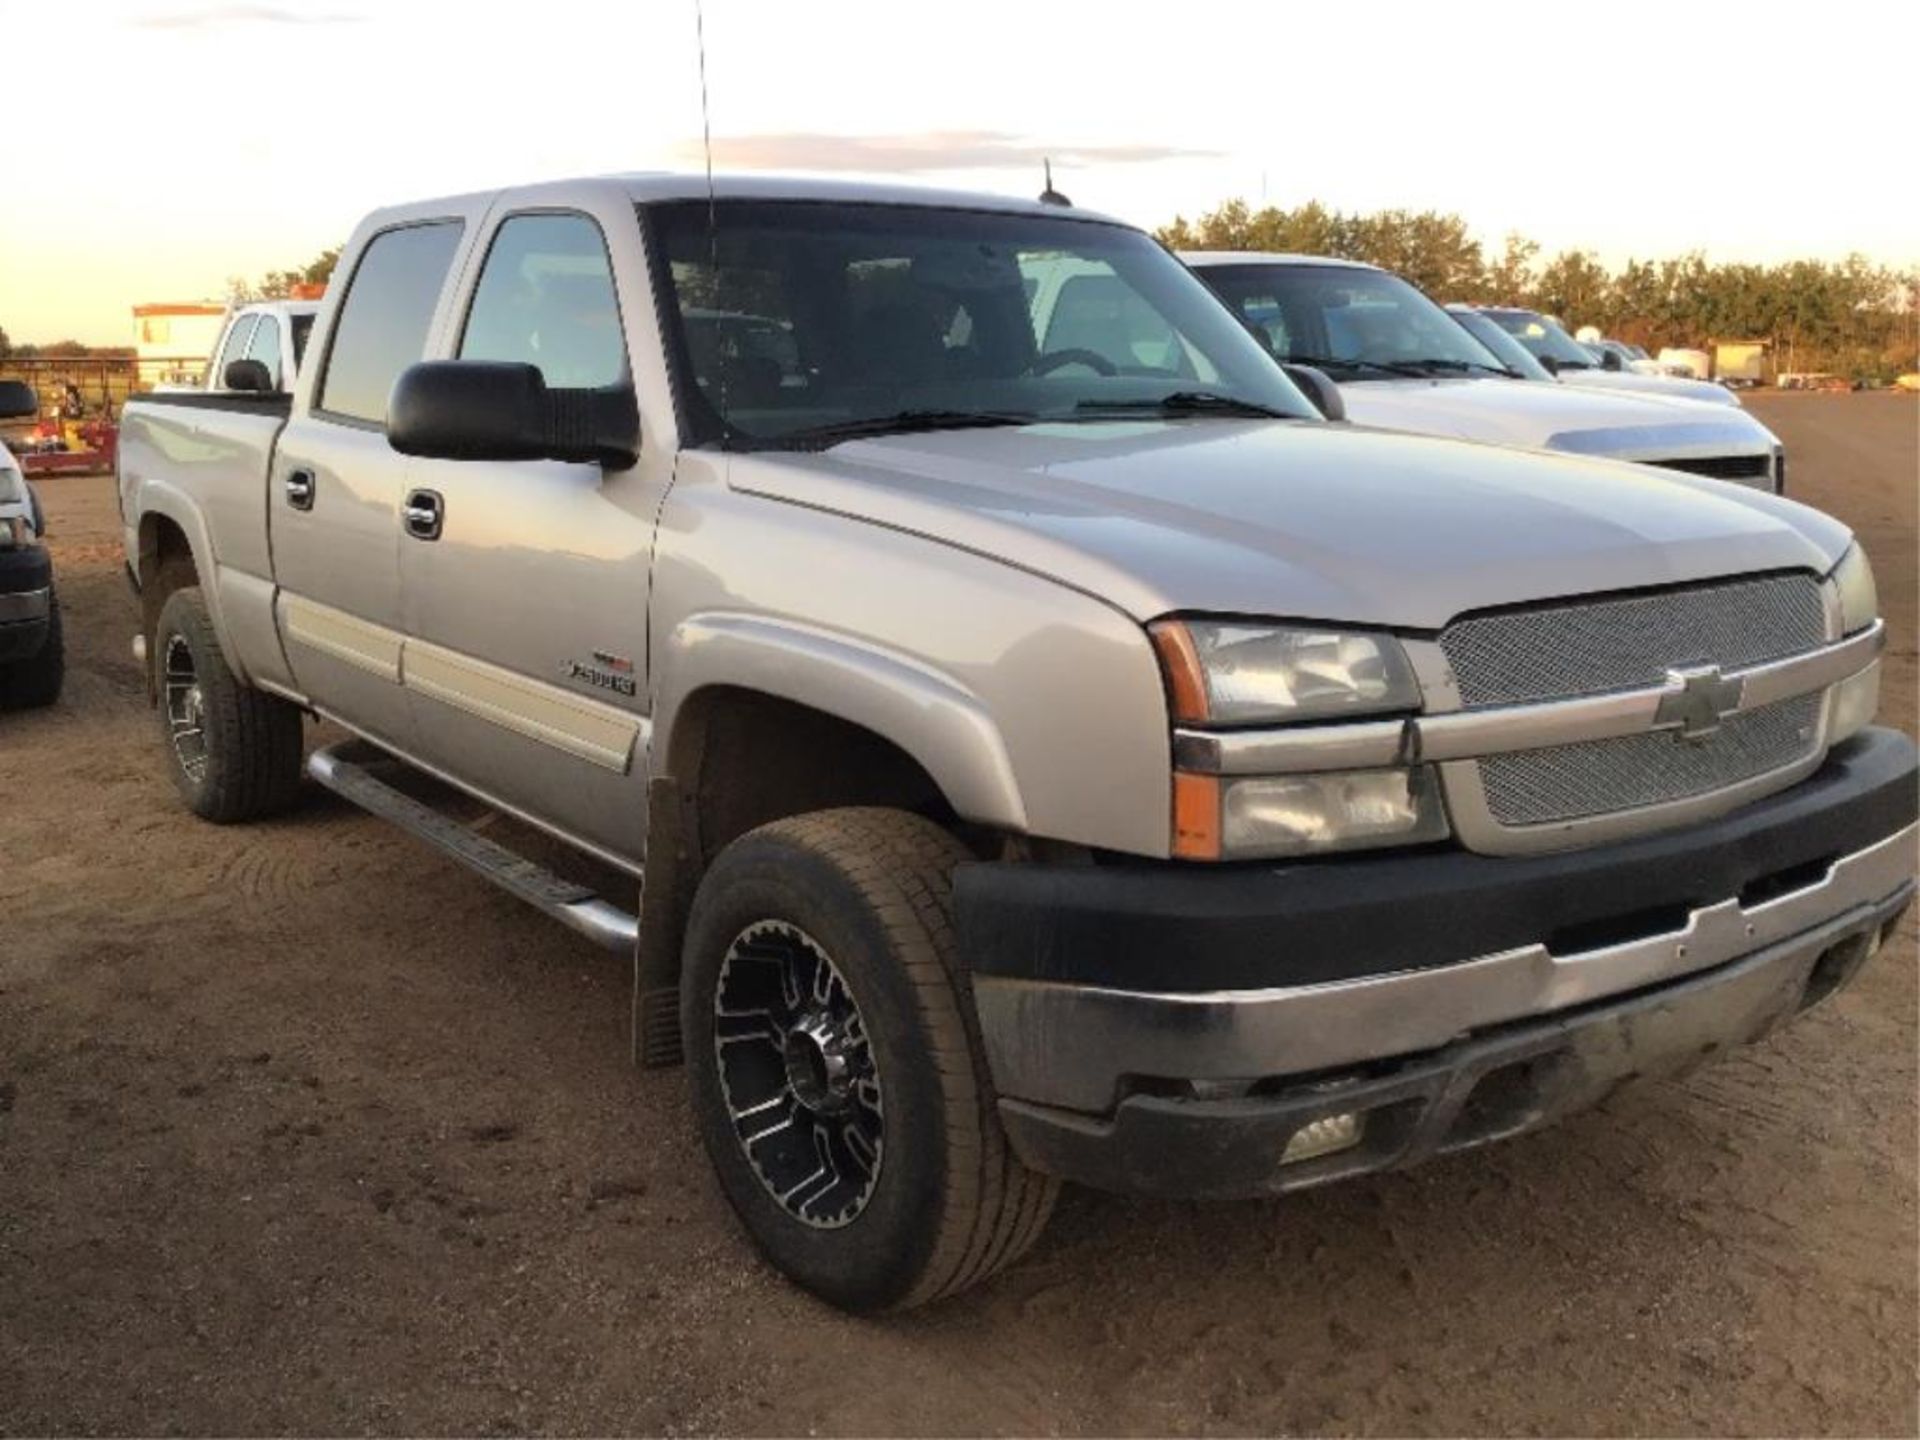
(334, 490)
(526, 652)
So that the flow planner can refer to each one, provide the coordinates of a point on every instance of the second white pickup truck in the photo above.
(1038, 746)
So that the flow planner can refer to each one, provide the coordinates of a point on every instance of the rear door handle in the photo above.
(300, 489)
(422, 514)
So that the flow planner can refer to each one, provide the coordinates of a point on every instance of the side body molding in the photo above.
(926, 713)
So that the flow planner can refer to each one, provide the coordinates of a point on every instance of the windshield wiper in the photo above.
(904, 422)
(1187, 402)
(1327, 362)
(1466, 365)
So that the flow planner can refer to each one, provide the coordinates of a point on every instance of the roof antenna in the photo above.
(713, 208)
(1051, 196)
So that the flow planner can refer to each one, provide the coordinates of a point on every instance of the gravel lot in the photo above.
(303, 1129)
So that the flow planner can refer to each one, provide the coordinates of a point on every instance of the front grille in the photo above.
(1754, 468)
(1567, 782)
(1630, 642)
(1589, 647)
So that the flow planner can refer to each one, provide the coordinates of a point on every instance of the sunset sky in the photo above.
(164, 145)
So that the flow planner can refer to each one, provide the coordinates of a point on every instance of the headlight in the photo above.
(1859, 601)
(1228, 672)
(1267, 816)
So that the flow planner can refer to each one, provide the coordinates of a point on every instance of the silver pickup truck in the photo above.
(1041, 747)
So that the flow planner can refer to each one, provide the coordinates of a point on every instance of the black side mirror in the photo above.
(249, 375)
(1324, 394)
(17, 400)
(1609, 359)
(491, 410)
(1551, 365)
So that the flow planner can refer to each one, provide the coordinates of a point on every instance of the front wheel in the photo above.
(34, 683)
(837, 1077)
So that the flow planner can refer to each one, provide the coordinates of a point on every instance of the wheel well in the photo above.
(743, 758)
(739, 759)
(166, 564)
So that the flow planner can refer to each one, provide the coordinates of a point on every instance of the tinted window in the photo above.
(234, 349)
(546, 298)
(797, 319)
(265, 347)
(383, 324)
(302, 326)
(1358, 324)
(1544, 338)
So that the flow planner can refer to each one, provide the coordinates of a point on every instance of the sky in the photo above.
(170, 144)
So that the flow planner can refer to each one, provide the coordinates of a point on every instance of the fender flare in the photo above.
(929, 715)
(158, 498)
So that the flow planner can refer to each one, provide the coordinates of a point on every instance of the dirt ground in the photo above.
(303, 1129)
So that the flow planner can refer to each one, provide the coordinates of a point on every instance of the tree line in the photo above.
(1851, 317)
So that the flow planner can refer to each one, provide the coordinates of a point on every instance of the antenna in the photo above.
(713, 209)
(1051, 196)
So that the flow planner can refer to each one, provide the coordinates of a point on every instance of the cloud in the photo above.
(926, 150)
(210, 16)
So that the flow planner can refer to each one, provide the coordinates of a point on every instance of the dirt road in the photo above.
(303, 1129)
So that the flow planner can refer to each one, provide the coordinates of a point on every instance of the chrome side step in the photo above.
(344, 770)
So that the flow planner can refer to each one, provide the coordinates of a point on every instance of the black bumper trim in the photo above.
(24, 569)
(1161, 926)
(1502, 1082)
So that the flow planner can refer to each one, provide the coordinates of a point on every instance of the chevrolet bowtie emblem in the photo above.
(1696, 701)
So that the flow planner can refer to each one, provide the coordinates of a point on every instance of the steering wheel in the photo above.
(1051, 361)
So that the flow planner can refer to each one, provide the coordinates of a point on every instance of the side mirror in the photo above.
(491, 410)
(1324, 394)
(1609, 359)
(17, 400)
(251, 375)
(1551, 365)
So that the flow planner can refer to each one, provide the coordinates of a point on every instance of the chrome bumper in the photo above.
(1080, 1048)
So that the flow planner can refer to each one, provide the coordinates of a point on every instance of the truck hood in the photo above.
(1296, 518)
(1658, 387)
(1556, 417)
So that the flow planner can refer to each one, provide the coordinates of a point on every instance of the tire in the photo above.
(945, 1203)
(233, 751)
(34, 683)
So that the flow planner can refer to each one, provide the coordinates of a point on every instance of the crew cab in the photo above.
(1037, 748)
(32, 651)
(270, 336)
(1402, 363)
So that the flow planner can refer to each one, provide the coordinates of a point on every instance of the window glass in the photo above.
(546, 298)
(302, 327)
(234, 349)
(383, 323)
(265, 347)
(795, 319)
(1357, 324)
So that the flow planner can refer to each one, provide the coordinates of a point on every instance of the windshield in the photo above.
(1356, 324)
(1544, 338)
(1515, 356)
(802, 322)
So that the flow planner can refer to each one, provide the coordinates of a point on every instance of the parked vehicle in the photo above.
(32, 650)
(1045, 763)
(1573, 364)
(268, 334)
(1403, 363)
(1687, 362)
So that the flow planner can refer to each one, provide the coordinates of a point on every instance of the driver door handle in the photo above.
(300, 489)
(422, 514)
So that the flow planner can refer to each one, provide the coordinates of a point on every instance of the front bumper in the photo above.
(1444, 999)
(26, 596)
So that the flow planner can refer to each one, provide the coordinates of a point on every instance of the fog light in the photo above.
(1323, 1137)
(1856, 700)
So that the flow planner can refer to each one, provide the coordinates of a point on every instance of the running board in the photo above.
(339, 768)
